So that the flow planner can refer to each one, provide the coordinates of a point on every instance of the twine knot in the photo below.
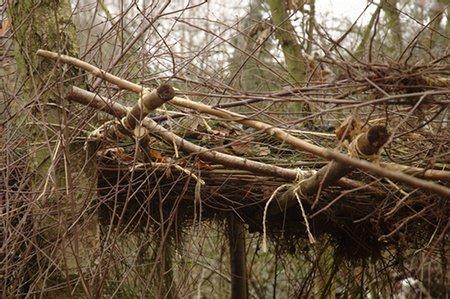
(301, 176)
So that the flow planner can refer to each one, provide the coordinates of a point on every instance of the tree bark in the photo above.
(56, 170)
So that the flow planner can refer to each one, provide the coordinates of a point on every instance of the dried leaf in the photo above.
(349, 129)
(240, 148)
(157, 156)
(116, 153)
(263, 151)
(202, 165)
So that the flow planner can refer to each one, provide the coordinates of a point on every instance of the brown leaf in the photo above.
(240, 148)
(202, 165)
(157, 156)
(263, 151)
(5, 25)
(116, 153)
(349, 129)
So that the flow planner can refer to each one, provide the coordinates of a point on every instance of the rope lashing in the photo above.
(355, 152)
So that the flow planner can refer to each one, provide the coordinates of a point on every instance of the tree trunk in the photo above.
(395, 36)
(287, 39)
(366, 34)
(63, 240)
(292, 50)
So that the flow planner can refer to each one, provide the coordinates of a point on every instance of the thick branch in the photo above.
(368, 144)
(276, 132)
(147, 103)
(130, 124)
(90, 99)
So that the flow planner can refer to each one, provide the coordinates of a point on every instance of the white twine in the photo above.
(264, 241)
(355, 152)
(300, 177)
(297, 195)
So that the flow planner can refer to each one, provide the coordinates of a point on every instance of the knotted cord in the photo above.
(300, 178)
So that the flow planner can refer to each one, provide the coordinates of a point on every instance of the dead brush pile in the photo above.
(363, 213)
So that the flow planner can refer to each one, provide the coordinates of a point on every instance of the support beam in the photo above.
(368, 144)
(238, 264)
(278, 133)
(87, 98)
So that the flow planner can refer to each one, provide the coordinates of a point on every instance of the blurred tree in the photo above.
(439, 35)
(311, 24)
(250, 72)
(287, 38)
(286, 35)
(394, 28)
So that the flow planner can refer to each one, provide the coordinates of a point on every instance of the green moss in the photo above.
(42, 24)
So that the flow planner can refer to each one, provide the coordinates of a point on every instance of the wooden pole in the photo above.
(236, 238)
(96, 101)
(368, 144)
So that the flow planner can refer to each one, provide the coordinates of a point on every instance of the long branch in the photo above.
(115, 109)
(277, 132)
(106, 105)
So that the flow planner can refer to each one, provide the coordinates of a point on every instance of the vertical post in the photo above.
(236, 237)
